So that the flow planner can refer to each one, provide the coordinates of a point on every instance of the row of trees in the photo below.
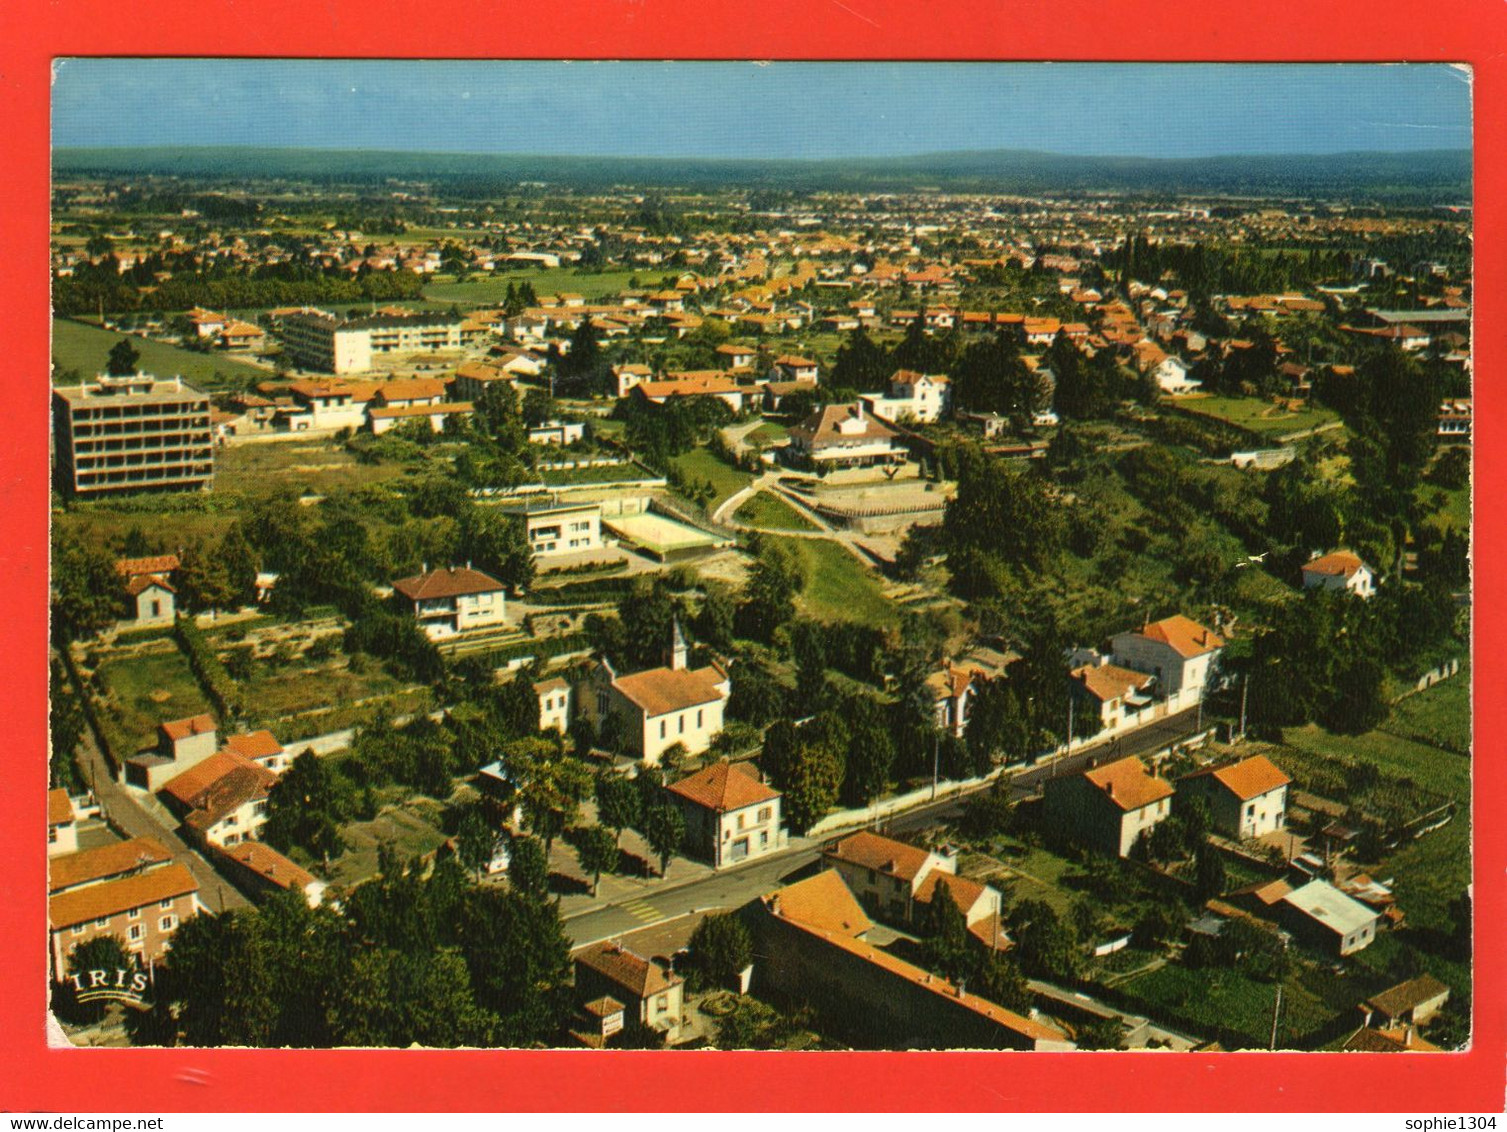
(412, 958)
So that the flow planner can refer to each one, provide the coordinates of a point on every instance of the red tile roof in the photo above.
(965, 893)
(725, 787)
(1252, 777)
(1341, 563)
(142, 582)
(1008, 1019)
(822, 901)
(88, 865)
(1186, 636)
(454, 581)
(638, 976)
(180, 729)
(883, 855)
(111, 897)
(1128, 785)
(661, 690)
(254, 745)
(267, 863)
(59, 808)
(219, 785)
(1107, 682)
(154, 564)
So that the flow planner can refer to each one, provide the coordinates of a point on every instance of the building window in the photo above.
(681, 722)
(698, 719)
(168, 923)
(661, 729)
(102, 922)
(134, 914)
(78, 929)
(52, 834)
(662, 1003)
(134, 933)
(166, 905)
(740, 821)
(765, 813)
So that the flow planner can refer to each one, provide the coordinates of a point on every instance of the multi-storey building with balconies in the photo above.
(134, 433)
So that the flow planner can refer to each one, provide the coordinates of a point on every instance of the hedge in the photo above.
(222, 691)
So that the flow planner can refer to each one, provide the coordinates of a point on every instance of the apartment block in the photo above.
(133, 433)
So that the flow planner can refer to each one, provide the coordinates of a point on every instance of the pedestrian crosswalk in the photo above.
(641, 909)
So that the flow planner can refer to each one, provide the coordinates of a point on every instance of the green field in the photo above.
(699, 464)
(310, 467)
(839, 587)
(85, 348)
(770, 432)
(147, 689)
(413, 828)
(549, 281)
(770, 512)
(1257, 415)
(1439, 717)
(607, 473)
(1209, 998)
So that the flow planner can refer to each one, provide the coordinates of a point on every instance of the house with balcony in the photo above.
(843, 436)
(454, 600)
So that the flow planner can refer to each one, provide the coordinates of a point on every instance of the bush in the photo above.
(216, 682)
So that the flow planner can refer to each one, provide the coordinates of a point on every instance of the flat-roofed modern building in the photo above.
(325, 343)
(135, 433)
(554, 528)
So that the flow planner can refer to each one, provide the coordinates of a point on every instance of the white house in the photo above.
(222, 800)
(1110, 806)
(62, 824)
(659, 707)
(1178, 651)
(148, 586)
(556, 432)
(555, 699)
(1172, 376)
(1246, 799)
(1324, 916)
(921, 397)
(554, 528)
(730, 815)
(1121, 698)
(952, 691)
(454, 600)
(1340, 570)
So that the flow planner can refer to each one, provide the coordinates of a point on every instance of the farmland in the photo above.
(84, 348)
(548, 281)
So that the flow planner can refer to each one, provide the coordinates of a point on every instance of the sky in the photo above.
(769, 111)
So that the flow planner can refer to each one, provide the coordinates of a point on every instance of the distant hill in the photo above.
(1415, 174)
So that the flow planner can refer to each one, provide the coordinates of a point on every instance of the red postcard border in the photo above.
(33, 1077)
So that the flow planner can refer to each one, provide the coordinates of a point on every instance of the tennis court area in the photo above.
(659, 534)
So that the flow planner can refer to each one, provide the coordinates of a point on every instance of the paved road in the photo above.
(733, 888)
(134, 819)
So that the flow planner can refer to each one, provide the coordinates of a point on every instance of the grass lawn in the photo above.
(770, 432)
(413, 827)
(85, 348)
(1214, 997)
(1256, 414)
(1439, 717)
(607, 473)
(1446, 508)
(149, 688)
(312, 466)
(550, 281)
(699, 464)
(275, 694)
(770, 512)
(839, 587)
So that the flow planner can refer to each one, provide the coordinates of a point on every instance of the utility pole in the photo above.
(936, 747)
(1276, 1012)
(1245, 687)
